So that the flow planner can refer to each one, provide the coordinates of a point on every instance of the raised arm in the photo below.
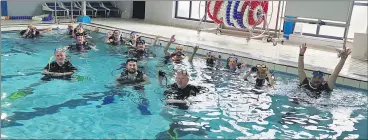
(154, 42)
(301, 72)
(195, 49)
(332, 79)
(172, 39)
(270, 79)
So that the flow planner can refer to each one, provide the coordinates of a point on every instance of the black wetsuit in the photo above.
(315, 92)
(30, 33)
(124, 78)
(80, 47)
(54, 67)
(113, 41)
(180, 94)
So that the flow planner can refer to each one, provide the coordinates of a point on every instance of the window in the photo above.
(191, 10)
(358, 21)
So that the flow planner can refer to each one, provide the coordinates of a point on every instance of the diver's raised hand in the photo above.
(172, 39)
(303, 48)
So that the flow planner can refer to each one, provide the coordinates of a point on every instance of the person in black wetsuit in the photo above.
(131, 75)
(179, 54)
(317, 84)
(59, 69)
(234, 66)
(81, 45)
(178, 93)
(33, 32)
(114, 39)
(263, 75)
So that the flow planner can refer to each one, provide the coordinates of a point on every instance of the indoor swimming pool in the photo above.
(91, 107)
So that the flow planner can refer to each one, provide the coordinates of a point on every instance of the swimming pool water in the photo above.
(91, 108)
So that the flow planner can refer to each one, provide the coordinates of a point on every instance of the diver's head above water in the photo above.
(80, 38)
(140, 44)
(60, 55)
(232, 62)
(261, 71)
(182, 78)
(116, 35)
(131, 65)
(210, 58)
(179, 49)
(317, 78)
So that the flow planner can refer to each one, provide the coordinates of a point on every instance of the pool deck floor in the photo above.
(315, 58)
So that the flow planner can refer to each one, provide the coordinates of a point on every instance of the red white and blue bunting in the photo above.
(239, 14)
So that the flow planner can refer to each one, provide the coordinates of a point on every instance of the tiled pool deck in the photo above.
(280, 58)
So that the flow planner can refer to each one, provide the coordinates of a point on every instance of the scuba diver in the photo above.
(262, 75)
(58, 69)
(234, 66)
(317, 84)
(81, 45)
(114, 39)
(141, 51)
(33, 32)
(178, 93)
(131, 74)
(79, 30)
(178, 55)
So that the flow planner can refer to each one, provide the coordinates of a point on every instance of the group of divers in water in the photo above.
(177, 94)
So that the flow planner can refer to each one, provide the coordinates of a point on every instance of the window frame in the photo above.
(190, 13)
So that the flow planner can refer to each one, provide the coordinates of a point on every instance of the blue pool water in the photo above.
(91, 108)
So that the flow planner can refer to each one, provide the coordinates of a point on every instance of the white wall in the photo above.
(126, 7)
(163, 13)
(25, 8)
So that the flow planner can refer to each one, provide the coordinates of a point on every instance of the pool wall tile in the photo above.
(201, 51)
(340, 80)
(164, 43)
(308, 73)
(292, 70)
(255, 62)
(352, 83)
(248, 61)
(224, 56)
(270, 66)
(363, 85)
(280, 68)
(188, 49)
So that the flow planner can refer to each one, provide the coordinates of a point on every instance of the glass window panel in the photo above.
(183, 9)
(358, 22)
(198, 9)
(332, 31)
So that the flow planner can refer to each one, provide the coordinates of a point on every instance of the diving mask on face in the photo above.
(318, 74)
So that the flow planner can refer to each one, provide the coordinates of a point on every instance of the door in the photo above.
(139, 9)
